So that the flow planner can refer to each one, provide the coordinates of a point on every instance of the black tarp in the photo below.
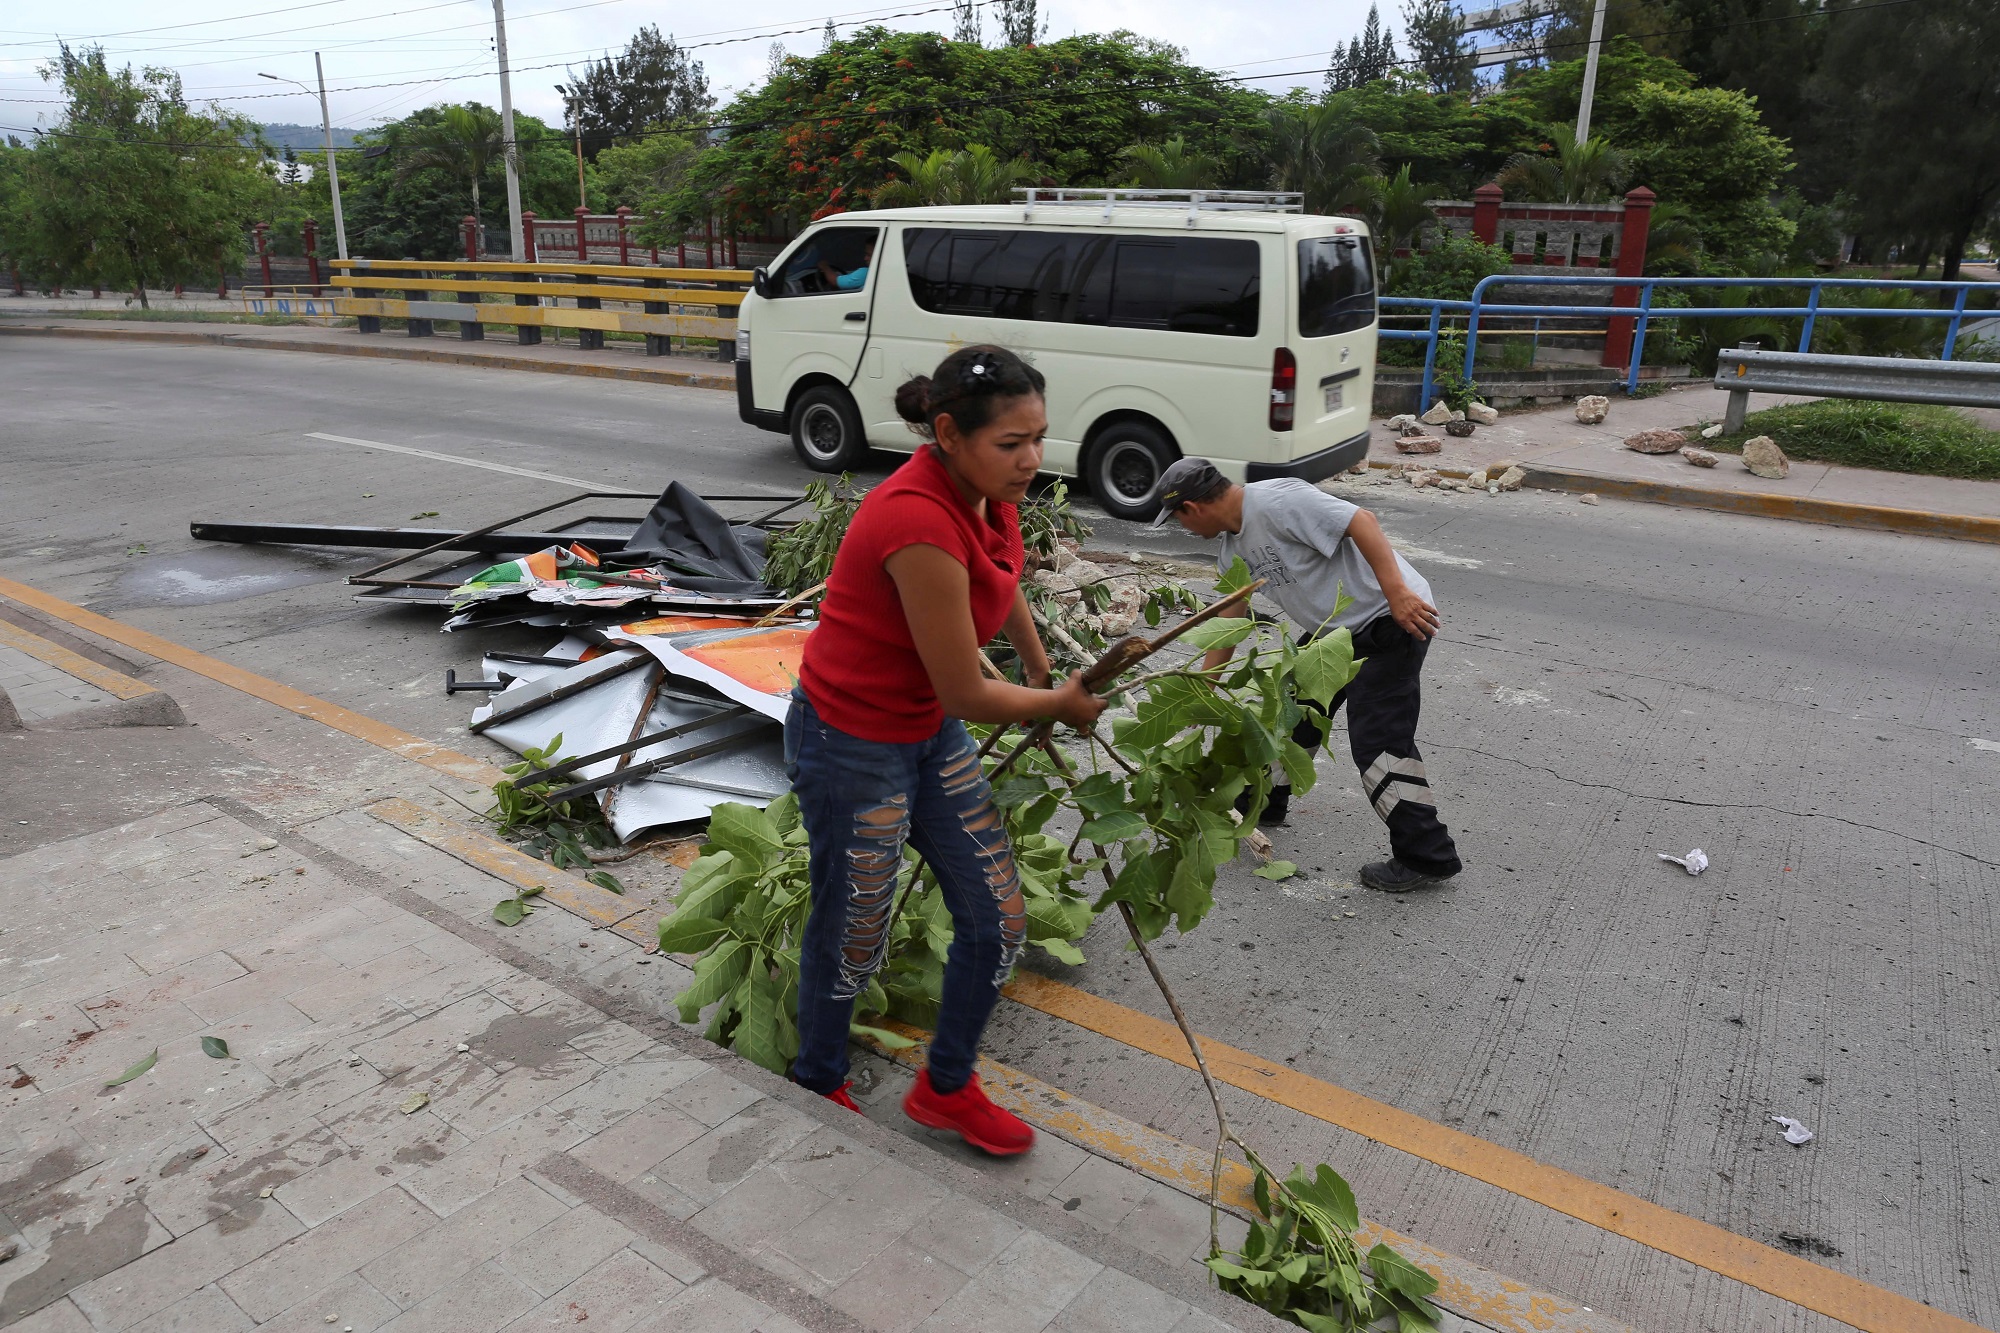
(705, 551)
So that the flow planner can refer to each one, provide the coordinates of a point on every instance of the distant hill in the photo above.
(302, 137)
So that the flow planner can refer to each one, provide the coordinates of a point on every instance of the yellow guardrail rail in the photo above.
(529, 296)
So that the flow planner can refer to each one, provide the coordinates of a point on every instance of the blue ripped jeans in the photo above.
(861, 802)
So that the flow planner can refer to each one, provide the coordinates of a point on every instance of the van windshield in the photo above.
(1336, 285)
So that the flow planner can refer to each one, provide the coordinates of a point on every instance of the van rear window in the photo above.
(1336, 285)
(1185, 284)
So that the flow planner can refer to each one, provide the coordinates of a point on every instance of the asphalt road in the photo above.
(1815, 708)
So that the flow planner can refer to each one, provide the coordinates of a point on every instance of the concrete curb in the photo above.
(1797, 508)
(390, 352)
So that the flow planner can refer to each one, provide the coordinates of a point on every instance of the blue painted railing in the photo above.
(1645, 312)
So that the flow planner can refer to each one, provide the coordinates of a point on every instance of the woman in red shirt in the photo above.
(876, 744)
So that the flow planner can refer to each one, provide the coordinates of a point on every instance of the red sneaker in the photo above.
(969, 1113)
(839, 1097)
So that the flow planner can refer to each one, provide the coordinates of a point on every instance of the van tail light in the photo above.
(1284, 389)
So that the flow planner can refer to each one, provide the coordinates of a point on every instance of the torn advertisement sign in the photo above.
(756, 667)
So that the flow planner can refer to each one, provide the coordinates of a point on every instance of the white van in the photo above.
(1227, 325)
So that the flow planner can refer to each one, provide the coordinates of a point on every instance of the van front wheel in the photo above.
(1124, 468)
(826, 430)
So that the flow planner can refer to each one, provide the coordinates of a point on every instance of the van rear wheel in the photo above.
(826, 430)
(1124, 467)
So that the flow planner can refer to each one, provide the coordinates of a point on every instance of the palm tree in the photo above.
(973, 175)
(1170, 166)
(1590, 172)
(1398, 213)
(464, 141)
(1326, 154)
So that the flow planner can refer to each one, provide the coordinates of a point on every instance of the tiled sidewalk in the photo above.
(427, 1123)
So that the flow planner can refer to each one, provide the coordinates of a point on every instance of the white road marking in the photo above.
(1420, 556)
(463, 462)
(1978, 744)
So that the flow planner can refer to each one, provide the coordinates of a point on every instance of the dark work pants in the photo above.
(1383, 701)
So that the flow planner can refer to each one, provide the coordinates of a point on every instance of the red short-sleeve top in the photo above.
(861, 670)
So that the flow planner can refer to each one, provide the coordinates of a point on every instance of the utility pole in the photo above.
(511, 150)
(325, 124)
(1589, 74)
(332, 167)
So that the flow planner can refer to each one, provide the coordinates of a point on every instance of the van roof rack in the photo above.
(1196, 202)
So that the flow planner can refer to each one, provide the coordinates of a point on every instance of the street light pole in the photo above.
(1589, 74)
(511, 150)
(332, 167)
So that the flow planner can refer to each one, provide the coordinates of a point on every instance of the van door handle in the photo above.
(857, 315)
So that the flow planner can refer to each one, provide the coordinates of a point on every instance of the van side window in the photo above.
(834, 259)
(1336, 285)
(1186, 284)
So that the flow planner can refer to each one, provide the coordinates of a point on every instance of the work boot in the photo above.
(970, 1115)
(840, 1097)
(1395, 877)
(1277, 807)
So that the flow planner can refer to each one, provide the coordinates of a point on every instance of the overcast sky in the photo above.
(442, 50)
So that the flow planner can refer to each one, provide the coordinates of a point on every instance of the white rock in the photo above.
(1458, 416)
(1402, 421)
(1423, 479)
(1588, 497)
(1763, 457)
(1477, 479)
(1483, 414)
(1511, 479)
(1699, 456)
(1710, 432)
(1438, 415)
(1592, 408)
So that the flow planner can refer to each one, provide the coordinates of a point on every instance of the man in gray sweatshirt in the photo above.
(1309, 547)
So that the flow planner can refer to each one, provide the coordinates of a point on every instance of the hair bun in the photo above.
(913, 400)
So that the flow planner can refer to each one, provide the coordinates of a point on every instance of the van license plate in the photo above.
(1332, 394)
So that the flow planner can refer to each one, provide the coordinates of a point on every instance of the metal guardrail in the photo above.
(1637, 310)
(531, 294)
(1881, 378)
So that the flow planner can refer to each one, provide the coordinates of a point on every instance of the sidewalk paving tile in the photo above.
(156, 1280)
(207, 1311)
(897, 1289)
(62, 1317)
(717, 1161)
(611, 1297)
(491, 1160)
(484, 1300)
(1021, 1291)
(317, 1258)
(463, 1241)
(1116, 1303)
(709, 1306)
(632, 1146)
(564, 1250)
(351, 1301)
(966, 1235)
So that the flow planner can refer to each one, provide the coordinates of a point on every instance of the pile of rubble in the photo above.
(1761, 455)
(1070, 572)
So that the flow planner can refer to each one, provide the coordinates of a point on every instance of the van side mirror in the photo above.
(760, 282)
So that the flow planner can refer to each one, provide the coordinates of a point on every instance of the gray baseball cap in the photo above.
(1186, 479)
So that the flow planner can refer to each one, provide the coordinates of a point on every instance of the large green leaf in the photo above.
(681, 933)
(1188, 892)
(141, 1067)
(1115, 827)
(749, 832)
(758, 1039)
(706, 887)
(1101, 793)
(1234, 577)
(1401, 1276)
(1325, 666)
(714, 975)
(1325, 1189)
(1222, 632)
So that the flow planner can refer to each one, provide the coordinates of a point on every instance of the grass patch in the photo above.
(1893, 437)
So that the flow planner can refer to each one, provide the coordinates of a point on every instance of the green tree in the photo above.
(974, 175)
(1435, 31)
(1370, 57)
(1171, 166)
(652, 84)
(1590, 172)
(638, 173)
(1325, 153)
(1706, 150)
(131, 187)
(1398, 213)
(1020, 22)
(1913, 93)
(822, 134)
(463, 142)
(1444, 138)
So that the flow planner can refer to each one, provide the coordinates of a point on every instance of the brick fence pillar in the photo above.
(1631, 264)
(1486, 213)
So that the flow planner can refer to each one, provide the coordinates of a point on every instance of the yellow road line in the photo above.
(595, 904)
(1786, 1276)
(115, 683)
(379, 734)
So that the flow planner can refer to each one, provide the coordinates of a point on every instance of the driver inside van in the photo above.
(852, 280)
